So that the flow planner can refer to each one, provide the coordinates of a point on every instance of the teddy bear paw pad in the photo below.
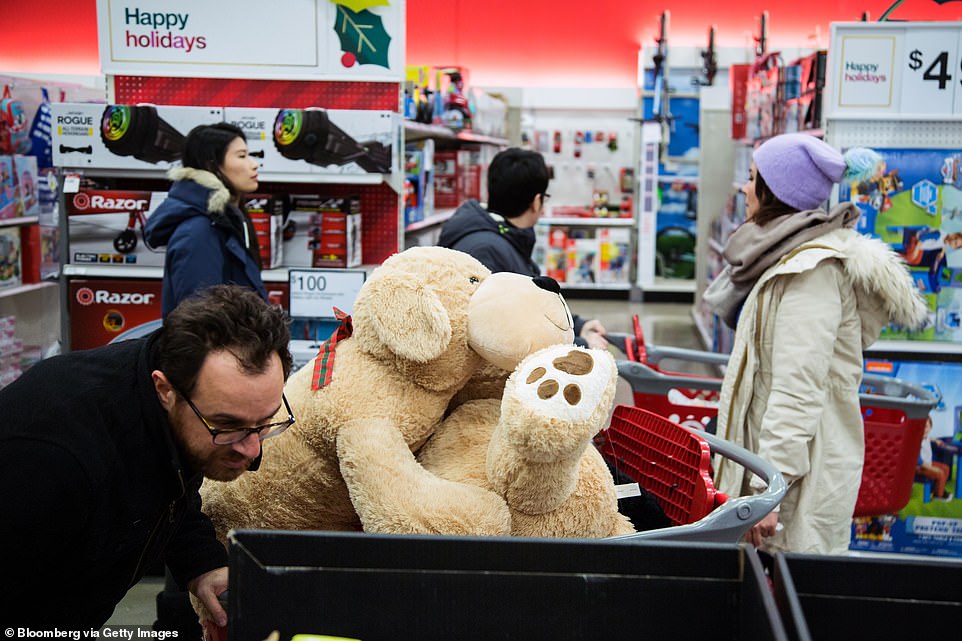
(567, 381)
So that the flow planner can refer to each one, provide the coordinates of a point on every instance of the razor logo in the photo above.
(86, 296)
(97, 203)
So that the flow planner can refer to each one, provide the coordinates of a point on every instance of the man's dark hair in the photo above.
(769, 205)
(221, 317)
(206, 146)
(515, 177)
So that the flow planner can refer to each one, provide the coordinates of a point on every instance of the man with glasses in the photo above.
(104, 452)
(502, 236)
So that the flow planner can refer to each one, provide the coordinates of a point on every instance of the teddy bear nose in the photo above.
(547, 283)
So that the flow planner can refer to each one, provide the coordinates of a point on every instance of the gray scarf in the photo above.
(752, 249)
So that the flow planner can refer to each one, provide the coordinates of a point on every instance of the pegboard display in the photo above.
(910, 134)
(293, 94)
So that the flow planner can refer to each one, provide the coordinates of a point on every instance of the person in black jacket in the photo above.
(502, 236)
(104, 451)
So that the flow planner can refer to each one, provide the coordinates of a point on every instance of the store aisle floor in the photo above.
(663, 324)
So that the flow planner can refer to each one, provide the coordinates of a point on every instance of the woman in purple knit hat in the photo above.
(806, 294)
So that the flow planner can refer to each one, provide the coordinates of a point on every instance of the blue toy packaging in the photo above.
(931, 522)
(914, 203)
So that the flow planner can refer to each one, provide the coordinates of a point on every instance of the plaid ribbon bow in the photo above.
(324, 362)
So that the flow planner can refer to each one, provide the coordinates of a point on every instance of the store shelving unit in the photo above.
(382, 229)
(427, 230)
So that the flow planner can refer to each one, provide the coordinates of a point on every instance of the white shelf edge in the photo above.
(436, 218)
(271, 177)
(116, 271)
(22, 289)
(671, 285)
(916, 347)
(716, 246)
(20, 221)
(593, 222)
(614, 287)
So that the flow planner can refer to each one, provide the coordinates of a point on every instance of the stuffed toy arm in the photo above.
(393, 494)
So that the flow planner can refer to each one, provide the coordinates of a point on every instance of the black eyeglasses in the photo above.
(228, 437)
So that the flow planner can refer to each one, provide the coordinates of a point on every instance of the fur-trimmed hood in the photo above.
(195, 192)
(219, 194)
(885, 287)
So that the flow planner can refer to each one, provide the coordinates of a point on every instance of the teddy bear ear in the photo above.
(410, 320)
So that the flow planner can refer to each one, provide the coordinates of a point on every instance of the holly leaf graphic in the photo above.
(362, 37)
(360, 5)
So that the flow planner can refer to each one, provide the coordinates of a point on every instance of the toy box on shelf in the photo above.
(914, 203)
(267, 216)
(106, 226)
(457, 176)
(10, 266)
(323, 232)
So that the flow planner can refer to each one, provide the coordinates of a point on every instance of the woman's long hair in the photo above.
(769, 206)
(206, 147)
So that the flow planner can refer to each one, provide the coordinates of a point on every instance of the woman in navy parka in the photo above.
(209, 237)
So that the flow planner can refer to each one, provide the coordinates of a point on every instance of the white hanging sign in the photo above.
(898, 69)
(284, 39)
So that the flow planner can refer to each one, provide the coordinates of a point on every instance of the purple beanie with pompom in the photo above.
(799, 169)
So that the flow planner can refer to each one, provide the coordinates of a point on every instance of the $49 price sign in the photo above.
(932, 77)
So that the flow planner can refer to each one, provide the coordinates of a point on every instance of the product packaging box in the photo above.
(457, 177)
(103, 310)
(323, 232)
(10, 257)
(931, 523)
(9, 205)
(414, 183)
(106, 227)
(267, 215)
(28, 189)
(555, 256)
(320, 141)
(614, 254)
(582, 264)
(124, 136)
(31, 253)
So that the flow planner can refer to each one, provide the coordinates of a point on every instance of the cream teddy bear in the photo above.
(533, 446)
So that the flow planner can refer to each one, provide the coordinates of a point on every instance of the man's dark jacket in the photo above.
(95, 489)
(497, 244)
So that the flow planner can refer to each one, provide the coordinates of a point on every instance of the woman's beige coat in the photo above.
(791, 388)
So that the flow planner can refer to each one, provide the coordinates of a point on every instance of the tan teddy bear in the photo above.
(420, 328)
(533, 447)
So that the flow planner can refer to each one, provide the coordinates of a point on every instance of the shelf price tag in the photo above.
(931, 73)
(315, 292)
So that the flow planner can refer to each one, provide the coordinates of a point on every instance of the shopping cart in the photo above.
(673, 463)
(894, 412)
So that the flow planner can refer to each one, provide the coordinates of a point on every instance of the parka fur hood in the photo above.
(885, 287)
(219, 194)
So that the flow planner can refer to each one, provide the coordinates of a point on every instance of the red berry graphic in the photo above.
(348, 59)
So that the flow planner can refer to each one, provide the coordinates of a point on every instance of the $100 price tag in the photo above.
(932, 73)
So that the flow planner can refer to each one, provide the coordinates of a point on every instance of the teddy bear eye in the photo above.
(474, 280)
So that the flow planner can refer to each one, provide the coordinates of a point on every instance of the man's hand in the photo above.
(763, 529)
(594, 334)
(206, 587)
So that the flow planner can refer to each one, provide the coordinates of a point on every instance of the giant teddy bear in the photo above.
(421, 324)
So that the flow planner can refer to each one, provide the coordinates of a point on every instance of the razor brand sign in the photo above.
(87, 296)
